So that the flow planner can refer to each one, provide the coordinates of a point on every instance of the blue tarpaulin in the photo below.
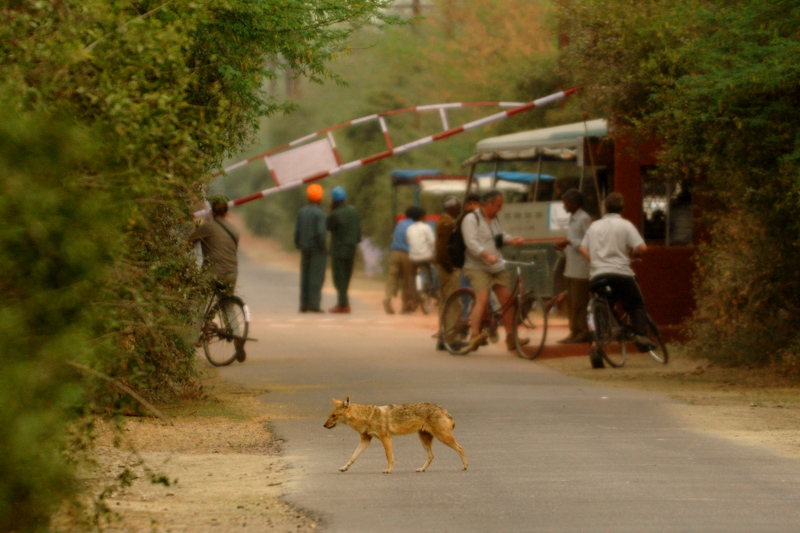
(411, 176)
(519, 177)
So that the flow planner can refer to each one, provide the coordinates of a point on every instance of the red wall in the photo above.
(629, 158)
(665, 272)
(665, 276)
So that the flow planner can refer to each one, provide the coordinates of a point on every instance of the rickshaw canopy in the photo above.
(559, 143)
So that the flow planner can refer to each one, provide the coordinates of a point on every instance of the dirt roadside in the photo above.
(223, 468)
(226, 472)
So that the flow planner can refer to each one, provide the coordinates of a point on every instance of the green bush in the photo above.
(93, 260)
(56, 246)
(742, 316)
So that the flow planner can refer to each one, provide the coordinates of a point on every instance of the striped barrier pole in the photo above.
(541, 102)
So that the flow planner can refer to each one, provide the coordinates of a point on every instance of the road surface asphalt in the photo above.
(546, 452)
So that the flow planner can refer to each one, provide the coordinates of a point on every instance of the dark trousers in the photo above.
(626, 291)
(342, 269)
(312, 276)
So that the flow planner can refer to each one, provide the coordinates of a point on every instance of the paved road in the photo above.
(546, 452)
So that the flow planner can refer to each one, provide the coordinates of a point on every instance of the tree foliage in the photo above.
(114, 112)
(458, 51)
(719, 85)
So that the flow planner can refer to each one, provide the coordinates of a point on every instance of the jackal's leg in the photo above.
(387, 446)
(449, 440)
(365, 440)
(426, 439)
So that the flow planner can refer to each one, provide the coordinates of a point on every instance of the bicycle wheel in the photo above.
(607, 334)
(224, 328)
(426, 304)
(425, 290)
(425, 300)
(659, 353)
(530, 326)
(455, 321)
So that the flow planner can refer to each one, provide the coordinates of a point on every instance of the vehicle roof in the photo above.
(560, 143)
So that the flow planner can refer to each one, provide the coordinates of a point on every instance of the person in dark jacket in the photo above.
(345, 228)
(449, 274)
(309, 238)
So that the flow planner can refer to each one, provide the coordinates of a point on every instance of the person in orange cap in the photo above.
(309, 238)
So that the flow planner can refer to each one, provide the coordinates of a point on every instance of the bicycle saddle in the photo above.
(600, 285)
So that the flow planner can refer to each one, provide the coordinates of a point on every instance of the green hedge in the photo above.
(56, 247)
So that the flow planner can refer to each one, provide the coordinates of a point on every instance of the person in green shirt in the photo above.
(345, 227)
(219, 240)
(309, 238)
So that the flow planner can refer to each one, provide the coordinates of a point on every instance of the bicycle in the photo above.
(530, 318)
(226, 320)
(613, 334)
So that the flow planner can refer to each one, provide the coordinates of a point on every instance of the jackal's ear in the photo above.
(346, 402)
(336, 402)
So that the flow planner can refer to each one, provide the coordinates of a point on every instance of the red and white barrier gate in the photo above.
(311, 158)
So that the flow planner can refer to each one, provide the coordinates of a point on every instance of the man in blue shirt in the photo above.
(399, 277)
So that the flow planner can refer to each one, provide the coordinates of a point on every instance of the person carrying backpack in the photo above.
(456, 248)
(484, 266)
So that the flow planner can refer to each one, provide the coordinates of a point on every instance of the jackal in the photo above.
(385, 421)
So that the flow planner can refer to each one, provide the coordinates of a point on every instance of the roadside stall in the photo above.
(589, 157)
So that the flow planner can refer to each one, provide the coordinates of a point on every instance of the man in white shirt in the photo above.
(420, 238)
(609, 245)
(576, 270)
(484, 266)
(421, 247)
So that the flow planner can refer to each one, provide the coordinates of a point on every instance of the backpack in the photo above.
(456, 247)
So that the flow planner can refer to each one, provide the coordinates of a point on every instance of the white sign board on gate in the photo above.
(302, 162)
(559, 217)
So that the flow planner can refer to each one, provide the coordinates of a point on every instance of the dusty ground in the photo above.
(223, 468)
(226, 472)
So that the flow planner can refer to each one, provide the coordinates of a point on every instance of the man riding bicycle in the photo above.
(484, 267)
(219, 240)
(609, 245)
